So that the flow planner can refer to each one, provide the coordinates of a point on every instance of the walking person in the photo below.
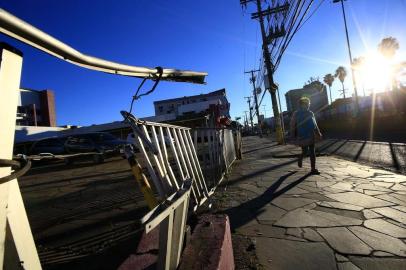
(304, 129)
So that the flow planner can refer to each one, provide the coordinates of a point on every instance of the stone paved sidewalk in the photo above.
(352, 216)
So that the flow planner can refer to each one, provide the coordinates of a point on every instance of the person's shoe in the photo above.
(300, 162)
(315, 172)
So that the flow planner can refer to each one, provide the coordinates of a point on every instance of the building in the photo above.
(315, 91)
(36, 108)
(193, 104)
(211, 109)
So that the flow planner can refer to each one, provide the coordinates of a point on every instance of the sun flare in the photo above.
(376, 72)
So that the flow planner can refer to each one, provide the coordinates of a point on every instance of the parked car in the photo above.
(100, 143)
(54, 146)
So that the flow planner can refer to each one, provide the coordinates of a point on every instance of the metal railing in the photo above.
(168, 154)
(171, 217)
(216, 153)
(16, 237)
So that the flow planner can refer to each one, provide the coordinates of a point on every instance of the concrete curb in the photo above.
(210, 246)
(145, 256)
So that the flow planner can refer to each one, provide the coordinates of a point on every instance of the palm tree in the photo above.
(329, 79)
(388, 47)
(357, 64)
(341, 73)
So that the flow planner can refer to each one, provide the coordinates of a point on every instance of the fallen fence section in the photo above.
(171, 217)
(216, 150)
(168, 154)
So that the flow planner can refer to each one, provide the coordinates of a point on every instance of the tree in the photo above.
(388, 47)
(358, 64)
(329, 79)
(341, 73)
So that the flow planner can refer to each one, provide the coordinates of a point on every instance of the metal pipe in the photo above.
(24, 32)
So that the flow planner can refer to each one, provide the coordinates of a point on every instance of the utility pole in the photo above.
(255, 99)
(266, 40)
(351, 60)
(249, 106)
(264, 110)
(246, 119)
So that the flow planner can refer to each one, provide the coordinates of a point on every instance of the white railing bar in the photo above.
(163, 176)
(197, 161)
(196, 193)
(150, 169)
(192, 163)
(24, 32)
(189, 165)
(160, 159)
(166, 158)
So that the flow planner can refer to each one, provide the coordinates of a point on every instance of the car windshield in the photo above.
(101, 137)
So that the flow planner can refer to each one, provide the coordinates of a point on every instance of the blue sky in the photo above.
(212, 36)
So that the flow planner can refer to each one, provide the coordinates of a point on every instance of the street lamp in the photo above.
(349, 53)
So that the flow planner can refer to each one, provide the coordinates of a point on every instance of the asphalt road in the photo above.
(83, 215)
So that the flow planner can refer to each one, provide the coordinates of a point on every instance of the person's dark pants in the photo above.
(312, 153)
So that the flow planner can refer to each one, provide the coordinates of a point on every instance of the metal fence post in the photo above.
(17, 248)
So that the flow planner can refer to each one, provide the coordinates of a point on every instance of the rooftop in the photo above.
(214, 93)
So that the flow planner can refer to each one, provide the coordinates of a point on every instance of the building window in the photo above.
(160, 108)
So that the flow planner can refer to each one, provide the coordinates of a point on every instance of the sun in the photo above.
(376, 72)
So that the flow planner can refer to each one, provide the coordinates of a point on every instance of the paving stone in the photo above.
(323, 183)
(270, 212)
(329, 190)
(343, 186)
(311, 218)
(262, 230)
(341, 258)
(378, 263)
(399, 187)
(316, 196)
(400, 196)
(347, 266)
(294, 238)
(392, 179)
(291, 203)
(359, 199)
(394, 214)
(251, 188)
(340, 205)
(382, 254)
(368, 214)
(296, 191)
(279, 254)
(297, 232)
(312, 235)
(371, 186)
(391, 198)
(400, 208)
(385, 227)
(383, 184)
(380, 241)
(310, 189)
(344, 241)
(374, 192)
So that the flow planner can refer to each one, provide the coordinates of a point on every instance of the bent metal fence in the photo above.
(17, 246)
(216, 150)
(168, 154)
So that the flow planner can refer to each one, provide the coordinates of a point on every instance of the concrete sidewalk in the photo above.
(352, 216)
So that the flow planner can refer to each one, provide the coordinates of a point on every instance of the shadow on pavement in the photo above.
(247, 211)
(256, 173)
(257, 149)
